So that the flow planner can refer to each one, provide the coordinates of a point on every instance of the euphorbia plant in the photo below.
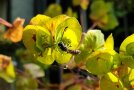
(44, 36)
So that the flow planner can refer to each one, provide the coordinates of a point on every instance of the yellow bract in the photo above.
(109, 44)
(45, 33)
(39, 20)
(128, 40)
(7, 69)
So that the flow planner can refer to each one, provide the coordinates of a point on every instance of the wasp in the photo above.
(63, 47)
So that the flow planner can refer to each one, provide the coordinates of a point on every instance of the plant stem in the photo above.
(4, 22)
(55, 75)
(93, 26)
(83, 19)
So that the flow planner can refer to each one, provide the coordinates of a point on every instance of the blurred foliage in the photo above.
(24, 55)
(71, 13)
(83, 3)
(26, 83)
(53, 10)
(102, 13)
(7, 68)
(3, 41)
(34, 70)
(112, 82)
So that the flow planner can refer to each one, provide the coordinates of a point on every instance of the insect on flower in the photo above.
(63, 47)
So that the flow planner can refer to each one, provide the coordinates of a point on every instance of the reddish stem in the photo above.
(4, 22)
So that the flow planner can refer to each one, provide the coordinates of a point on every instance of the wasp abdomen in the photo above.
(63, 47)
(73, 52)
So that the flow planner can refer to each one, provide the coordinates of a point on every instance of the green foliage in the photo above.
(26, 83)
(110, 82)
(70, 13)
(24, 55)
(98, 60)
(102, 13)
(82, 3)
(130, 49)
(109, 44)
(42, 36)
(104, 60)
(126, 51)
(53, 10)
(93, 40)
(130, 76)
(45, 38)
(128, 60)
(128, 40)
(7, 71)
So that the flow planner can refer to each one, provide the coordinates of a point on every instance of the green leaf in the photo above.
(24, 55)
(7, 69)
(110, 82)
(70, 35)
(131, 76)
(112, 22)
(130, 49)
(98, 10)
(128, 60)
(116, 60)
(43, 39)
(26, 83)
(102, 13)
(39, 20)
(34, 70)
(62, 57)
(70, 13)
(84, 4)
(102, 21)
(94, 39)
(128, 78)
(109, 44)
(99, 62)
(81, 58)
(29, 38)
(69, 31)
(8, 74)
(53, 23)
(126, 51)
(128, 40)
(46, 57)
(53, 10)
